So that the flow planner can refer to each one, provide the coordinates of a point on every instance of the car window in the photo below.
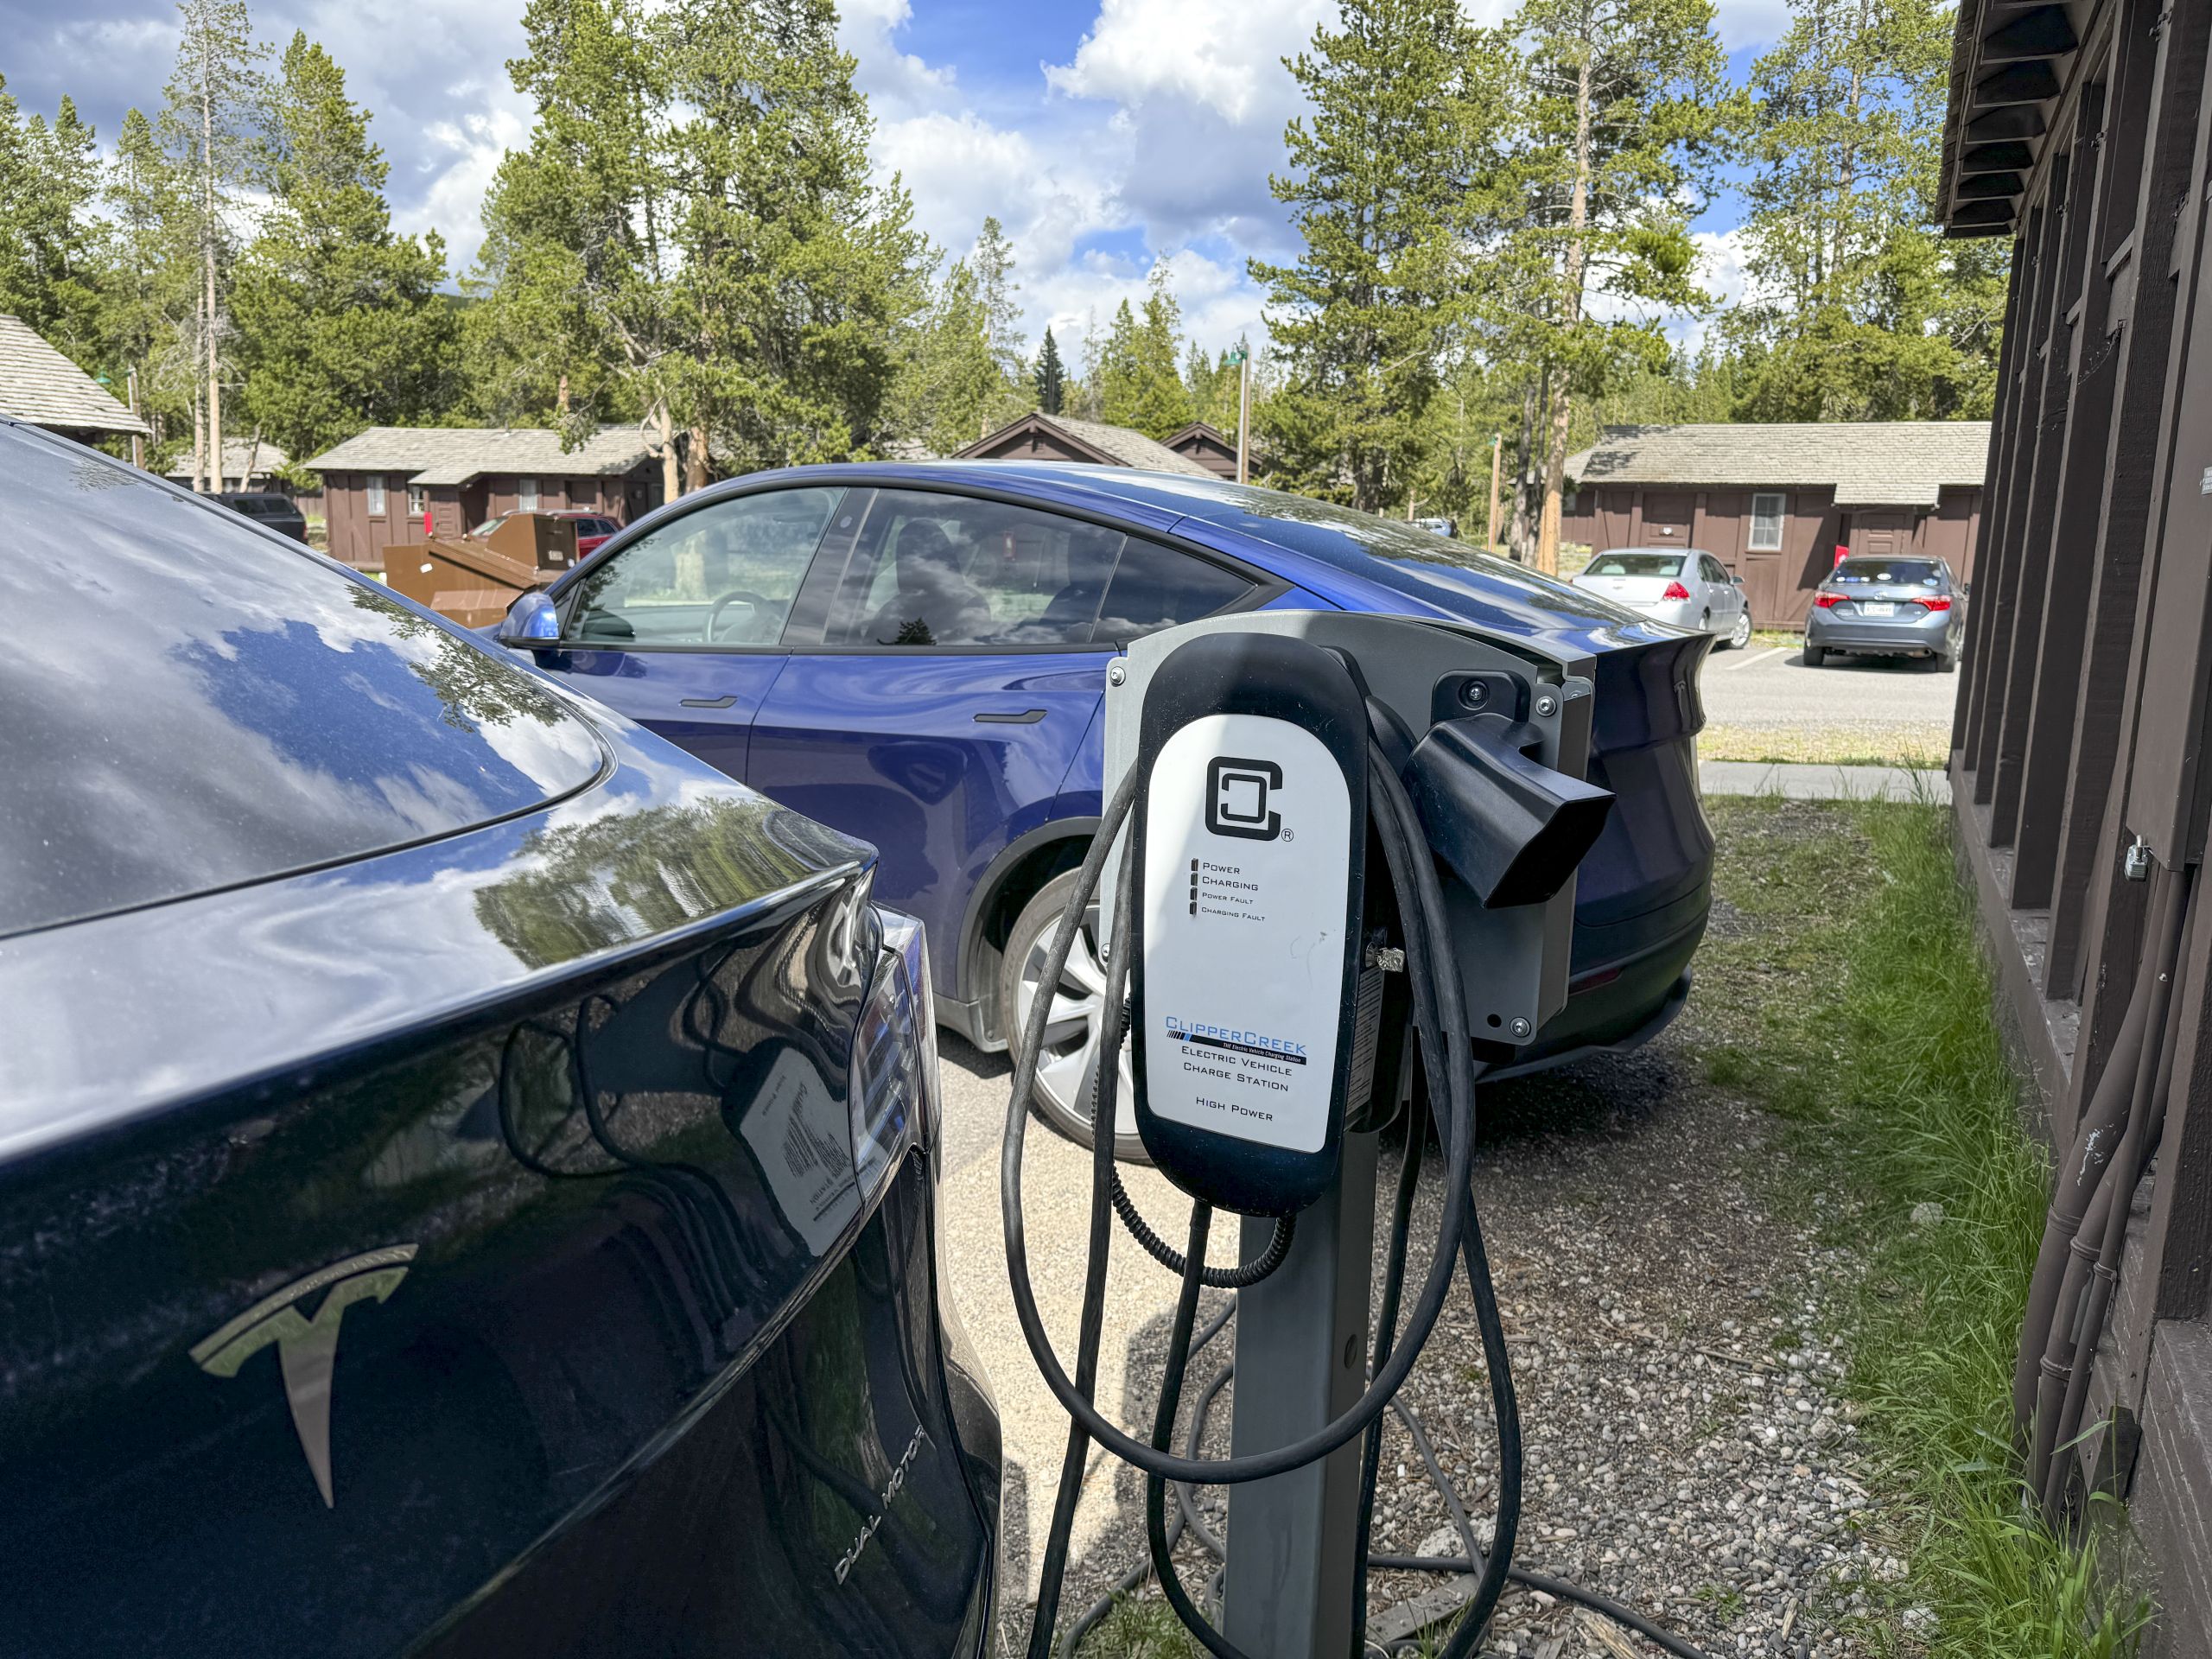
(1712, 570)
(1924, 573)
(1635, 564)
(1157, 586)
(928, 569)
(725, 574)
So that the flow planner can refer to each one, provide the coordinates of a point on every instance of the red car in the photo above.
(592, 527)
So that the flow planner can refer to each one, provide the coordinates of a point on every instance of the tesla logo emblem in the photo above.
(1237, 795)
(307, 1349)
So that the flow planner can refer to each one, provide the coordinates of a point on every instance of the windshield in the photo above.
(1910, 573)
(1635, 564)
(191, 706)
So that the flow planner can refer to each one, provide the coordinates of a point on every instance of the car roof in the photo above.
(1355, 560)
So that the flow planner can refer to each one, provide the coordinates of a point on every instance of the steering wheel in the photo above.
(735, 594)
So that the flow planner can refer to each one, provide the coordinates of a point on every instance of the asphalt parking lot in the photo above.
(1764, 703)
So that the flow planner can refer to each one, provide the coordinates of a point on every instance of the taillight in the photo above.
(1937, 601)
(1827, 601)
(894, 1083)
(1675, 590)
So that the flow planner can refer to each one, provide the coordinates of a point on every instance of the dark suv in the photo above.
(278, 512)
(466, 1169)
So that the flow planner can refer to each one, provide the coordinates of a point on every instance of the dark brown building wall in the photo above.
(1034, 445)
(2085, 699)
(358, 536)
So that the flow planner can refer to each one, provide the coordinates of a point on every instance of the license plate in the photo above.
(1879, 606)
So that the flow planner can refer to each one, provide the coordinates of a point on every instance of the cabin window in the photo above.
(526, 494)
(1766, 523)
(418, 500)
(376, 495)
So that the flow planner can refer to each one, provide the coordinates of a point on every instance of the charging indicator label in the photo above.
(1248, 851)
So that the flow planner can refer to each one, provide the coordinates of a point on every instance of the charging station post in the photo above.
(1301, 1362)
(1253, 760)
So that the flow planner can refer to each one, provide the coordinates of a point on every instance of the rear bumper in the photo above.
(1674, 613)
(1827, 632)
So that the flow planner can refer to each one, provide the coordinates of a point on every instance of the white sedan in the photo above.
(1679, 585)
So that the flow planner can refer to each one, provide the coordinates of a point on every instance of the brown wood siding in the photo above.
(2086, 702)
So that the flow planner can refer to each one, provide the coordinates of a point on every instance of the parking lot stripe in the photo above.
(1745, 661)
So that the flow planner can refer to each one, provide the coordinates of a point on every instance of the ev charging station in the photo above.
(1337, 877)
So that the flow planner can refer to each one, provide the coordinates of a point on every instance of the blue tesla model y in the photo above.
(916, 653)
(466, 1168)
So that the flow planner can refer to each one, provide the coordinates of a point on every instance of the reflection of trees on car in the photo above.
(474, 688)
(599, 881)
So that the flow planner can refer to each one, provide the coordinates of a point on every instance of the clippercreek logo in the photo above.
(1240, 798)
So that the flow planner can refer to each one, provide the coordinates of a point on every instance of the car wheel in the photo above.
(1740, 635)
(1814, 656)
(1946, 663)
(1071, 1032)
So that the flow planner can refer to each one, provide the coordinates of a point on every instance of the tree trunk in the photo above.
(1577, 219)
(695, 460)
(560, 395)
(671, 476)
(208, 262)
(1520, 532)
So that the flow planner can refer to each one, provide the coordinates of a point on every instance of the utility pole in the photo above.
(138, 442)
(1243, 416)
(1490, 525)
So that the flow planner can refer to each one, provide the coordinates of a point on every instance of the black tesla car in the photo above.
(465, 1167)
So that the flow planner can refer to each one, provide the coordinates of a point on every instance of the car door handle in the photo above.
(708, 702)
(1027, 717)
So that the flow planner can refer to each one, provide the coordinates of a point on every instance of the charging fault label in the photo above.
(1248, 849)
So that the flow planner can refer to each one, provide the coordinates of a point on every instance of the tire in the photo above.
(1059, 1097)
(1740, 635)
(1946, 663)
(1814, 656)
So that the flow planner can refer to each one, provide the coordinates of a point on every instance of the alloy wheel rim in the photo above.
(1072, 1029)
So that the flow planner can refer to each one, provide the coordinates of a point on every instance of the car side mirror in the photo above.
(531, 621)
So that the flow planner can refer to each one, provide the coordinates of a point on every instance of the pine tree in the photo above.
(577, 268)
(993, 259)
(1141, 381)
(1859, 309)
(51, 243)
(949, 387)
(1050, 377)
(795, 268)
(149, 298)
(339, 323)
(1378, 189)
(212, 128)
(1621, 107)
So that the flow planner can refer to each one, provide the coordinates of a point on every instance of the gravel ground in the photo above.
(1686, 1449)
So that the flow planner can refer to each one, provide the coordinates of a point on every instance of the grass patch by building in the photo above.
(1874, 1031)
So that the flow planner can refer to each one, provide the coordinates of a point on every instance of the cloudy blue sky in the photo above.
(1104, 133)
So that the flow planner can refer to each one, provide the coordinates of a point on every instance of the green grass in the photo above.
(1885, 1049)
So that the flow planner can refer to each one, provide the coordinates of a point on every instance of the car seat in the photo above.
(935, 604)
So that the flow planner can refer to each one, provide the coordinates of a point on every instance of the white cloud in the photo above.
(1224, 55)
(898, 83)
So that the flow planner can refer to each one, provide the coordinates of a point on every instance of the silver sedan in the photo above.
(1680, 585)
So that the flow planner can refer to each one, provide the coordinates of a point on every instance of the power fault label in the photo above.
(1246, 885)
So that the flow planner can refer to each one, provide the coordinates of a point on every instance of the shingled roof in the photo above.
(38, 384)
(239, 455)
(1870, 463)
(1109, 446)
(454, 454)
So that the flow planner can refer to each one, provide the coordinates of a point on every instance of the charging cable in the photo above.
(1446, 1049)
